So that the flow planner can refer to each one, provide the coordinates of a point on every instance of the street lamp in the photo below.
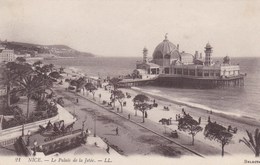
(23, 130)
(94, 125)
(34, 147)
(83, 124)
(28, 137)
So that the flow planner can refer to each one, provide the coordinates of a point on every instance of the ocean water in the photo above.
(242, 101)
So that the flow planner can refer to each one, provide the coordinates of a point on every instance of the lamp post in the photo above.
(94, 125)
(83, 124)
(34, 147)
(28, 137)
(23, 130)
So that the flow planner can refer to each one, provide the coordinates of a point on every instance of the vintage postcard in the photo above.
(135, 82)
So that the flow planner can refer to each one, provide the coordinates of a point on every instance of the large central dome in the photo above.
(164, 48)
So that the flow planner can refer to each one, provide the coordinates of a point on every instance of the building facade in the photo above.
(6, 55)
(171, 64)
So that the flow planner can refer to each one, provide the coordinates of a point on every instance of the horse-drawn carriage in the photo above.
(56, 128)
(166, 121)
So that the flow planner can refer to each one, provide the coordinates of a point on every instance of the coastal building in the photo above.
(6, 55)
(173, 67)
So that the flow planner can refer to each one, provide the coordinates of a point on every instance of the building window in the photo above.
(199, 73)
(175, 71)
(212, 74)
(192, 72)
(185, 71)
(166, 70)
(153, 71)
(206, 74)
(179, 71)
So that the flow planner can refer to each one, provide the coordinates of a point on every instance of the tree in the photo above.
(37, 63)
(114, 82)
(119, 96)
(55, 75)
(140, 103)
(30, 86)
(253, 142)
(21, 59)
(12, 73)
(214, 131)
(81, 82)
(73, 83)
(188, 124)
(51, 66)
(45, 69)
(91, 88)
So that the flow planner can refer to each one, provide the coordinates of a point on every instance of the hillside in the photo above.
(34, 49)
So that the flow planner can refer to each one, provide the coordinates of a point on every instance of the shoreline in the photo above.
(246, 120)
(155, 114)
(237, 118)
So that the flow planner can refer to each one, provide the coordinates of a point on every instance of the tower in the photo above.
(208, 51)
(145, 52)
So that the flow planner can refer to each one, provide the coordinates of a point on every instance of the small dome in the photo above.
(208, 45)
(164, 48)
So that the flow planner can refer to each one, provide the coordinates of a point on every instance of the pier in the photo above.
(186, 82)
(126, 83)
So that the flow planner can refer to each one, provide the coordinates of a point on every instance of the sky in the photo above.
(124, 28)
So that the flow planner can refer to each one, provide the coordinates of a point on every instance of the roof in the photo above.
(185, 54)
(163, 48)
(153, 65)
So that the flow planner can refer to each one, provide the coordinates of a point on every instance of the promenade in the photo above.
(135, 137)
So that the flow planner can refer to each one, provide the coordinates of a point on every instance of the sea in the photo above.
(239, 101)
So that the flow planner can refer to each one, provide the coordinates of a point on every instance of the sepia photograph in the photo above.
(129, 82)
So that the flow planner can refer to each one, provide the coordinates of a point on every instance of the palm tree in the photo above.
(12, 73)
(30, 86)
(253, 142)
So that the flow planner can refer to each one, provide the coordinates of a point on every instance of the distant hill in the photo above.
(34, 49)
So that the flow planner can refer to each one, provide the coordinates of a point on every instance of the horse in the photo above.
(165, 121)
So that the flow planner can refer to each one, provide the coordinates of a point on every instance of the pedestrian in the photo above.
(199, 120)
(129, 116)
(145, 114)
(209, 119)
(108, 148)
(77, 100)
(116, 130)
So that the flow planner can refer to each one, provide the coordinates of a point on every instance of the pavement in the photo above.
(132, 139)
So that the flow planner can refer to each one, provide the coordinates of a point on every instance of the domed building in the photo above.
(164, 54)
(177, 68)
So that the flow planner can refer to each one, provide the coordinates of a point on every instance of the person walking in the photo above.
(108, 148)
(117, 131)
(129, 116)
(77, 100)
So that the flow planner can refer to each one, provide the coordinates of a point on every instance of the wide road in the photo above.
(132, 139)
